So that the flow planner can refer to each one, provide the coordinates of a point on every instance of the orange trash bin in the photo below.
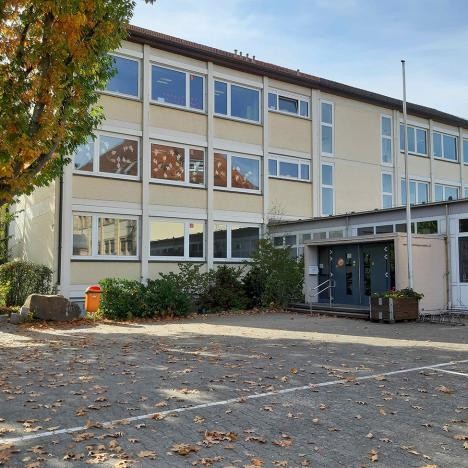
(92, 298)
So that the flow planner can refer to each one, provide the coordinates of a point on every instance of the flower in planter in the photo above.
(406, 293)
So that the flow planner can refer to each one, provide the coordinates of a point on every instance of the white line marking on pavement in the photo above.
(108, 424)
(452, 372)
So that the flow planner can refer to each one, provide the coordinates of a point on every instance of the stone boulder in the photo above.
(54, 307)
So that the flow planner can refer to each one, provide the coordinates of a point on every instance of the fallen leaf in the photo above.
(184, 449)
(444, 389)
(373, 455)
(147, 454)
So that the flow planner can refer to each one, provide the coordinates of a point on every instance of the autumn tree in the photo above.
(54, 59)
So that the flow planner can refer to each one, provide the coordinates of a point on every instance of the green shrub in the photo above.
(20, 279)
(223, 290)
(164, 296)
(122, 299)
(400, 293)
(273, 277)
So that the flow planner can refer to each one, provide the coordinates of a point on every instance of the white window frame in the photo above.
(415, 152)
(326, 124)
(96, 172)
(187, 88)
(229, 187)
(386, 137)
(416, 181)
(280, 158)
(186, 257)
(229, 225)
(457, 148)
(332, 187)
(444, 187)
(382, 187)
(186, 182)
(465, 153)
(465, 191)
(95, 237)
(292, 96)
(228, 99)
(127, 96)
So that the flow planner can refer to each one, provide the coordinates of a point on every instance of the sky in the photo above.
(356, 42)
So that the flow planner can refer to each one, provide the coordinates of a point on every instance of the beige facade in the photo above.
(276, 135)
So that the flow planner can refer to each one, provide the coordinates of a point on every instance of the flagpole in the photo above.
(407, 184)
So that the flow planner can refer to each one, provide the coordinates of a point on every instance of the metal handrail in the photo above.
(331, 284)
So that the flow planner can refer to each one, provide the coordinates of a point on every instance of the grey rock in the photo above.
(14, 318)
(51, 307)
(4, 318)
(24, 312)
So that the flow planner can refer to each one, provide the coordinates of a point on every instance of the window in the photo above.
(181, 240)
(419, 192)
(327, 190)
(445, 192)
(402, 227)
(427, 227)
(288, 168)
(384, 229)
(235, 241)
(109, 154)
(417, 140)
(387, 190)
(177, 88)
(386, 134)
(463, 225)
(465, 151)
(444, 146)
(365, 231)
(96, 236)
(463, 255)
(237, 101)
(179, 164)
(465, 192)
(288, 103)
(326, 118)
(126, 80)
(236, 172)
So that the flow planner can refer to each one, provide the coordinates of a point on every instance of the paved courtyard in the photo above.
(235, 391)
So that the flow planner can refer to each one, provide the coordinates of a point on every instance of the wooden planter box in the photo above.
(393, 310)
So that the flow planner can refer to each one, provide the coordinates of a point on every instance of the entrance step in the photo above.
(339, 310)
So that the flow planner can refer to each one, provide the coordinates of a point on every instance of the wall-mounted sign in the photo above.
(313, 270)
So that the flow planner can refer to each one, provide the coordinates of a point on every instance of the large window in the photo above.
(288, 103)
(235, 242)
(386, 134)
(236, 172)
(237, 101)
(326, 128)
(288, 168)
(387, 190)
(98, 236)
(179, 164)
(419, 192)
(126, 79)
(465, 151)
(109, 154)
(327, 190)
(417, 140)
(445, 192)
(444, 146)
(177, 88)
(175, 239)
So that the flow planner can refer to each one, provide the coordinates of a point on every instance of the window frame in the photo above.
(186, 182)
(229, 188)
(414, 128)
(95, 237)
(457, 146)
(293, 96)
(187, 88)
(96, 172)
(387, 193)
(326, 124)
(416, 181)
(386, 137)
(332, 187)
(125, 95)
(228, 101)
(444, 187)
(465, 153)
(291, 160)
(229, 225)
(186, 257)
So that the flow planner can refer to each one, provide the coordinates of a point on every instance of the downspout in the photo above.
(59, 253)
(449, 260)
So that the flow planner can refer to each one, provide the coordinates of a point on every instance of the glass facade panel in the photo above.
(439, 193)
(465, 151)
(423, 193)
(290, 239)
(286, 104)
(304, 109)
(463, 254)
(168, 86)
(117, 237)
(272, 101)
(167, 239)
(220, 241)
(305, 171)
(427, 227)
(450, 147)
(387, 201)
(167, 162)
(451, 193)
(82, 235)
(387, 183)
(278, 241)
(327, 113)
(387, 126)
(245, 103)
(272, 167)
(327, 201)
(84, 155)
(196, 240)
(220, 98)
(327, 175)
(411, 140)
(385, 229)
(288, 169)
(244, 241)
(365, 231)
(386, 150)
(196, 92)
(125, 80)
(327, 139)
(421, 144)
(220, 170)
(245, 173)
(197, 167)
(118, 155)
(437, 145)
